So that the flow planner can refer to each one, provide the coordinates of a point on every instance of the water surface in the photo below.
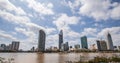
(53, 57)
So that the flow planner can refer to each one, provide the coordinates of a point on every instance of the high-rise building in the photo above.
(60, 39)
(41, 41)
(84, 42)
(102, 46)
(15, 45)
(109, 42)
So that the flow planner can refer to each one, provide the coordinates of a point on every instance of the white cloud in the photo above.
(64, 20)
(5, 35)
(97, 9)
(14, 18)
(83, 22)
(74, 5)
(8, 6)
(42, 8)
(52, 40)
(50, 30)
(115, 13)
(24, 31)
(89, 32)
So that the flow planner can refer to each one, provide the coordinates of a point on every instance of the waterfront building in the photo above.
(115, 48)
(70, 46)
(109, 42)
(77, 46)
(3, 46)
(33, 49)
(41, 41)
(102, 46)
(84, 42)
(93, 47)
(118, 47)
(60, 39)
(14, 46)
(66, 47)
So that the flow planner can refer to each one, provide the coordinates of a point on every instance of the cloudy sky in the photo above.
(20, 20)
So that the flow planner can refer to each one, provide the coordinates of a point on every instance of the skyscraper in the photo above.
(109, 42)
(102, 46)
(41, 41)
(15, 45)
(60, 39)
(84, 42)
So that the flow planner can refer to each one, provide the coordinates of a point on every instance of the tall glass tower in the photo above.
(41, 41)
(84, 42)
(60, 39)
(109, 42)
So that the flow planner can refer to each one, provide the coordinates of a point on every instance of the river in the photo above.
(52, 57)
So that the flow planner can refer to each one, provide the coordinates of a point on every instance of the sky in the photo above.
(21, 20)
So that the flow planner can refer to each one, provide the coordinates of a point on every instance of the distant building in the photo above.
(70, 46)
(115, 48)
(60, 39)
(33, 49)
(77, 46)
(102, 46)
(84, 42)
(15, 45)
(109, 42)
(119, 47)
(3, 46)
(52, 49)
(93, 47)
(41, 41)
(66, 47)
(9, 47)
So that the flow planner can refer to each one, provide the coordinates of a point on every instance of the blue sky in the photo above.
(20, 20)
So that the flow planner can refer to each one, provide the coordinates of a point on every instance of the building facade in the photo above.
(66, 48)
(60, 39)
(84, 43)
(15, 45)
(41, 41)
(109, 42)
(102, 46)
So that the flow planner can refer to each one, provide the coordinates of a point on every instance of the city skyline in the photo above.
(20, 20)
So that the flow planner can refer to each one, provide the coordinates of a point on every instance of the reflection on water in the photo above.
(53, 57)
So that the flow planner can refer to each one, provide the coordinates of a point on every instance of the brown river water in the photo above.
(52, 57)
